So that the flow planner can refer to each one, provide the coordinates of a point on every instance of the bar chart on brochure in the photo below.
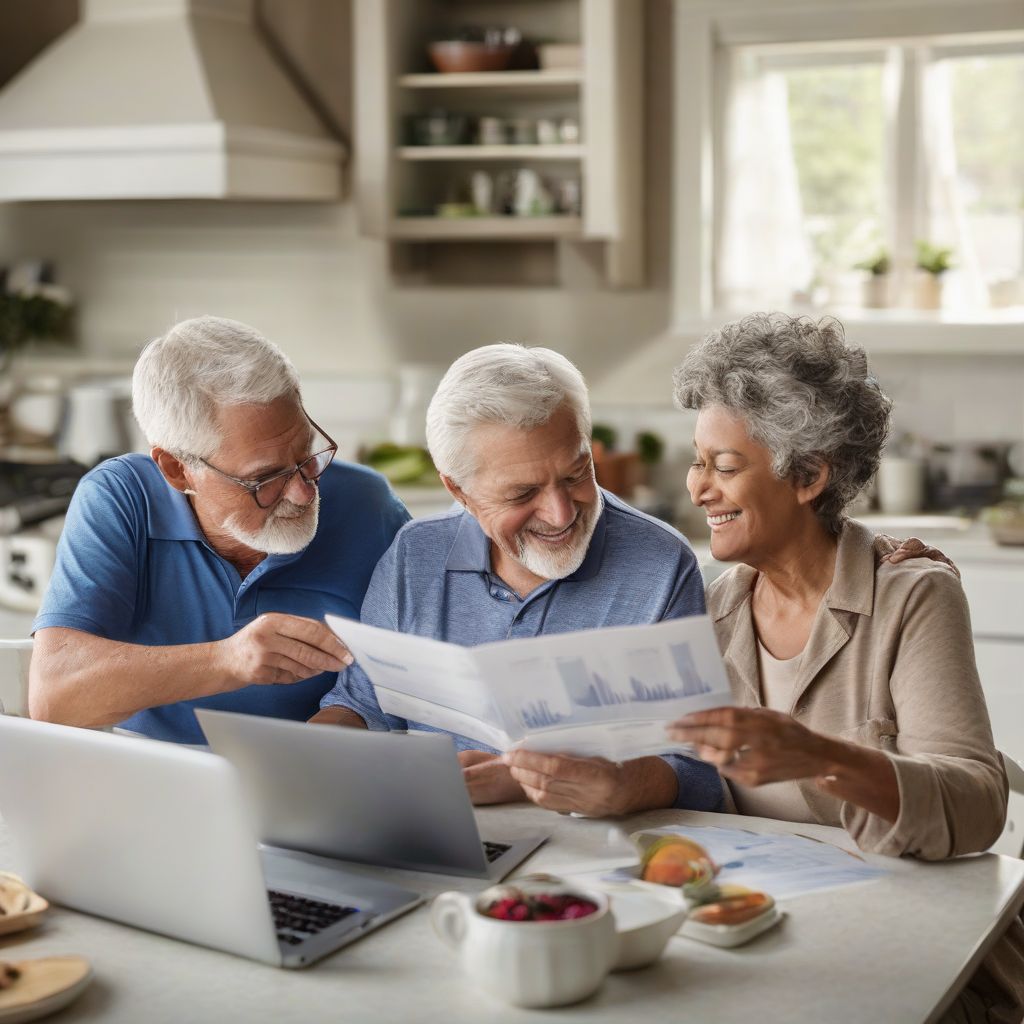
(603, 692)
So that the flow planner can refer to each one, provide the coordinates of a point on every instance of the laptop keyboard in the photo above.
(296, 918)
(492, 851)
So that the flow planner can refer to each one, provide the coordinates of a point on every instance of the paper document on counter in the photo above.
(596, 693)
(784, 865)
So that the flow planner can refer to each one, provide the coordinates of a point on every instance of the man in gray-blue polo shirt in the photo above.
(536, 548)
(198, 576)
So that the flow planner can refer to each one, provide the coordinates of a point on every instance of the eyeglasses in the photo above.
(268, 491)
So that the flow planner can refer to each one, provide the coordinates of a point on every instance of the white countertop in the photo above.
(894, 949)
(970, 542)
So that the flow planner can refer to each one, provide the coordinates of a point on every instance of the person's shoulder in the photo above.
(122, 478)
(920, 576)
(648, 535)
(431, 534)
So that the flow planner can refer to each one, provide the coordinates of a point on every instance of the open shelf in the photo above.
(556, 81)
(498, 228)
(597, 182)
(567, 151)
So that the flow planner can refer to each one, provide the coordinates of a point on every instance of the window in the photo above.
(839, 159)
(982, 101)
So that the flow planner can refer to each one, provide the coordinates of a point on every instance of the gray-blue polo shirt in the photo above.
(436, 580)
(133, 566)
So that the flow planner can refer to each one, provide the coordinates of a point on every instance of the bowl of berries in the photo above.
(539, 942)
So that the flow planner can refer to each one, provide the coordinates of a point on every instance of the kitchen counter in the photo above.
(917, 932)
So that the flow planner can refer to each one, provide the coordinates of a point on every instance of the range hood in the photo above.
(162, 99)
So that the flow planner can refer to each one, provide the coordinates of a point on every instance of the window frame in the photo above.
(704, 33)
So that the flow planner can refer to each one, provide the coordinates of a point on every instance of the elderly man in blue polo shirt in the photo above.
(535, 548)
(198, 575)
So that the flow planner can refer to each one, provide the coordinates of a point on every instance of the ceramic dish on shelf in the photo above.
(461, 56)
(20, 907)
(42, 987)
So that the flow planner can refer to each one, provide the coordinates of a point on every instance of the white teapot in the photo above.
(529, 963)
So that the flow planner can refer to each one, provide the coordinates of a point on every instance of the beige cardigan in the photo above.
(889, 664)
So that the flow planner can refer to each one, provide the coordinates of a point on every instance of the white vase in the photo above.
(416, 386)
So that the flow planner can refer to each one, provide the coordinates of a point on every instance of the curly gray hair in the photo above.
(805, 394)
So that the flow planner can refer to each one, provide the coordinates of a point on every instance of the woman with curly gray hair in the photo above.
(857, 700)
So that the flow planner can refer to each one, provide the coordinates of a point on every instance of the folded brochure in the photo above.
(594, 693)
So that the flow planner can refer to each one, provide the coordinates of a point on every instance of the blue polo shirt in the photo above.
(132, 565)
(436, 580)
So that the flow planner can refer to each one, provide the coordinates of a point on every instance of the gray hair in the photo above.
(805, 395)
(507, 384)
(198, 366)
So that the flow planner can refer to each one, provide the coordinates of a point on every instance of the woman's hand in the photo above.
(889, 549)
(753, 746)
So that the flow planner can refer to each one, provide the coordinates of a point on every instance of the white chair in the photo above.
(15, 656)
(1011, 842)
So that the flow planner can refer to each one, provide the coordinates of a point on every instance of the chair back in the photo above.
(1011, 842)
(1014, 772)
(15, 656)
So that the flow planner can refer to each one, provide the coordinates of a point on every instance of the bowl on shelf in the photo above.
(459, 56)
(438, 128)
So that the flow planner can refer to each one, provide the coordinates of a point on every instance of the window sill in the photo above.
(899, 331)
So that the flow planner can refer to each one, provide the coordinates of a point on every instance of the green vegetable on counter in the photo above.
(402, 464)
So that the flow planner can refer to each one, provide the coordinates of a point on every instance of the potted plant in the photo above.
(615, 471)
(932, 262)
(31, 312)
(876, 289)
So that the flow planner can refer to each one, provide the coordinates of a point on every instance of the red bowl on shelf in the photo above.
(457, 56)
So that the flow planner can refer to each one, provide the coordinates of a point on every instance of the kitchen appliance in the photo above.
(966, 475)
(26, 561)
(33, 492)
(900, 485)
(150, 99)
(95, 423)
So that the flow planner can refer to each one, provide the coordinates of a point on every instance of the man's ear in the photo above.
(174, 470)
(814, 485)
(455, 490)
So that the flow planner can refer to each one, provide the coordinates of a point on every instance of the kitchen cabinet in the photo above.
(400, 187)
(1001, 668)
(995, 593)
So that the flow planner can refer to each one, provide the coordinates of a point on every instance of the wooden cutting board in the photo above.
(20, 907)
(45, 986)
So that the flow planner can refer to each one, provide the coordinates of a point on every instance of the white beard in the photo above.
(290, 528)
(557, 563)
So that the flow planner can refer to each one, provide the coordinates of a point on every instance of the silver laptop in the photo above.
(160, 837)
(392, 799)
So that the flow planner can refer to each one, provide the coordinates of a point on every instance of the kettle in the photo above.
(95, 422)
